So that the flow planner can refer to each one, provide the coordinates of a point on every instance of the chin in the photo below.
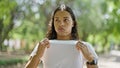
(63, 34)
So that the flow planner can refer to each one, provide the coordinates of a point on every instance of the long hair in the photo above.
(51, 33)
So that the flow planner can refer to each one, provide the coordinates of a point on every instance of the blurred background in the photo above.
(23, 23)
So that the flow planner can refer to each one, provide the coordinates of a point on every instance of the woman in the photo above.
(63, 26)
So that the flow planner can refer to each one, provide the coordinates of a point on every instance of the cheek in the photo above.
(69, 28)
(55, 26)
(70, 25)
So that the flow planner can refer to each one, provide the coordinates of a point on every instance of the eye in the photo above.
(56, 20)
(66, 20)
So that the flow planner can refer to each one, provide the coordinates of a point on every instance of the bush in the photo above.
(4, 62)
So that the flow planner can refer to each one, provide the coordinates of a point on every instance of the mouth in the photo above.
(61, 29)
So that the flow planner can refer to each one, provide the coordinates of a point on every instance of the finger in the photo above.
(42, 44)
(48, 46)
(46, 39)
(80, 45)
(47, 42)
(77, 47)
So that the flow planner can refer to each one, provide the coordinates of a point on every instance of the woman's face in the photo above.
(63, 23)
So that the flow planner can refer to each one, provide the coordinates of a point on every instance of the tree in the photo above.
(7, 12)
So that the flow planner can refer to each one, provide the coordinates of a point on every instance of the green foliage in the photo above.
(7, 8)
(14, 61)
(98, 20)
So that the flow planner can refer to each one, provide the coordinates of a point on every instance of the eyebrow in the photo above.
(66, 17)
(63, 17)
(57, 17)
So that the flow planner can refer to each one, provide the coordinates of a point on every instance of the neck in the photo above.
(64, 37)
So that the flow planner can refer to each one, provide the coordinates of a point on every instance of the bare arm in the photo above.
(34, 60)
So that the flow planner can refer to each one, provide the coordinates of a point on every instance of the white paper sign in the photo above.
(62, 54)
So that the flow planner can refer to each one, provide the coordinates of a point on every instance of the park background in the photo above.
(23, 23)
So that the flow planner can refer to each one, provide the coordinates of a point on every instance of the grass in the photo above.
(13, 61)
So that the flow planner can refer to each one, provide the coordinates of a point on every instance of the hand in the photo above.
(42, 46)
(83, 48)
(44, 43)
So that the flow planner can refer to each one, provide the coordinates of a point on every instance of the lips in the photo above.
(61, 29)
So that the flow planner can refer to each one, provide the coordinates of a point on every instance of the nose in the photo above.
(61, 23)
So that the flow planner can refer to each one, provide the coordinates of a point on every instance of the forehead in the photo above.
(62, 14)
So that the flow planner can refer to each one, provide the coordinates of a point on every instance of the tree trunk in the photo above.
(104, 44)
(1, 28)
(7, 29)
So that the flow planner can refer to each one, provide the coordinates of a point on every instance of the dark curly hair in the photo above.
(51, 33)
